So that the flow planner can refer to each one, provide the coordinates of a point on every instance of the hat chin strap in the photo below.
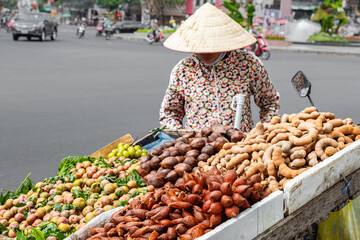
(218, 59)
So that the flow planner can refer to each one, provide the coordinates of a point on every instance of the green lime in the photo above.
(125, 153)
(138, 153)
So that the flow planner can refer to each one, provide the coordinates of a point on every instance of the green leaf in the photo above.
(123, 203)
(52, 197)
(2, 228)
(25, 213)
(20, 205)
(102, 163)
(70, 162)
(25, 186)
(57, 207)
(20, 235)
(68, 206)
(6, 196)
(37, 234)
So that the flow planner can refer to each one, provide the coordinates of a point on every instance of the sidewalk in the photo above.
(295, 47)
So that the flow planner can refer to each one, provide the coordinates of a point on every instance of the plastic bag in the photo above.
(343, 224)
(162, 137)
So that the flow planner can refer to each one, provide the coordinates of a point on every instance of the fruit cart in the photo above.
(288, 213)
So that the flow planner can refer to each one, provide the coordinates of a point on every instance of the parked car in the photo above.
(34, 24)
(126, 26)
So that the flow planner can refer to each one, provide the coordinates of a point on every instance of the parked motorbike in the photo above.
(152, 37)
(81, 31)
(10, 25)
(108, 32)
(262, 50)
(99, 30)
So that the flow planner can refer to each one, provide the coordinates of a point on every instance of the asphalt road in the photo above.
(73, 96)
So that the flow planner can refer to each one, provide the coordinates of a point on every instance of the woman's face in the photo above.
(208, 57)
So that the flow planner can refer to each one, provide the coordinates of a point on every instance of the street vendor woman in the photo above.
(203, 85)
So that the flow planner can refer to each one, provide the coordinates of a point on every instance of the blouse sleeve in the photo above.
(172, 107)
(266, 97)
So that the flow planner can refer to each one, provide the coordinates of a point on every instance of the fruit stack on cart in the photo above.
(216, 182)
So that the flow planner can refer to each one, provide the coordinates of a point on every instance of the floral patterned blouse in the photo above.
(203, 93)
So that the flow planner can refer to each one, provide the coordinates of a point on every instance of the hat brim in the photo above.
(209, 30)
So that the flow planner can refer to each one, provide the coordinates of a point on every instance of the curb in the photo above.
(309, 51)
(118, 36)
(274, 48)
(350, 44)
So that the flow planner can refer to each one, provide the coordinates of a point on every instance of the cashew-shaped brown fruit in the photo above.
(322, 144)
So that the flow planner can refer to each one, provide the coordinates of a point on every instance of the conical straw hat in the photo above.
(209, 30)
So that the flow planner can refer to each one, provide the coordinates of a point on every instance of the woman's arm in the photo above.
(172, 107)
(266, 97)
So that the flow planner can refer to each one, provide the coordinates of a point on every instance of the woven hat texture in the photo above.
(209, 30)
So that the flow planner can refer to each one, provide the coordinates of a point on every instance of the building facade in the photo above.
(25, 5)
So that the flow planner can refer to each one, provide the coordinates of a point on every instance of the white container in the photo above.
(98, 221)
(247, 225)
(251, 222)
(321, 177)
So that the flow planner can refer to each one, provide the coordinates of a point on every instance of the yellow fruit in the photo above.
(39, 185)
(95, 188)
(125, 198)
(76, 188)
(110, 188)
(91, 201)
(63, 227)
(44, 195)
(9, 203)
(54, 219)
(98, 204)
(79, 203)
(121, 191)
(131, 184)
(60, 188)
(108, 207)
(90, 216)
(114, 196)
(87, 210)
(40, 212)
(78, 183)
(106, 200)
(86, 164)
(48, 208)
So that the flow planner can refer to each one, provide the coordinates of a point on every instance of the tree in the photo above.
(8, 3)
(250, 9)
(328, 13)
(233, 12)
(113, 4)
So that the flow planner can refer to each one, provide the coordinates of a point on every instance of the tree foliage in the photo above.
(328, 13)
(112, 4)
(250, 9)
(233, 12)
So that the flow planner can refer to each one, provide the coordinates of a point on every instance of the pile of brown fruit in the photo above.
(196, 204)
(169, 161)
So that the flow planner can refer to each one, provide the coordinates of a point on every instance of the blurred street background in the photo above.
(72, 96)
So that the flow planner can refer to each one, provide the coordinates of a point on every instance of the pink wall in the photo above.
(285, 9)
(189, 7)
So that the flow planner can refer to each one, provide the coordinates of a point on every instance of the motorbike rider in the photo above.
(255, 34)
(202, 85)
(155, 28)
(82, 22)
